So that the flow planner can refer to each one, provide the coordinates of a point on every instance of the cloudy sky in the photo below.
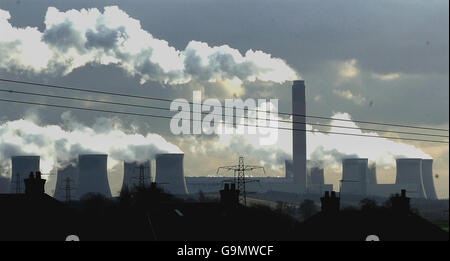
(385, 61)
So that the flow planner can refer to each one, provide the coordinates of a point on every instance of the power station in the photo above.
(93, 175)
(427, 178)
(354, 176)
(414, 175)
(409, 172)
(89, 174)
(170, 173)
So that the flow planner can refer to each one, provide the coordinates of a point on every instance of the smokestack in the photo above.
(427, 178)
(93, 175)
(299, 134)
(170, 173)
(409, 172)
(354, 176)
(69, 171)
(131, 173)
(21, 166)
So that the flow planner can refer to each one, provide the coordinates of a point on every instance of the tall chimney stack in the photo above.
(299, 133)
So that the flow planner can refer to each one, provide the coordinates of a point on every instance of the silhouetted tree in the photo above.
(125, 196)
(308, 208)
(95, 203)
(368, 204)
(387, 204)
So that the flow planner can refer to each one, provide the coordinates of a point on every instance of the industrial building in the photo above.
(427, 178)
(93, 175)
(301, 176)
(409, 172)
(414, 175)
(354, 176)
(170, 173)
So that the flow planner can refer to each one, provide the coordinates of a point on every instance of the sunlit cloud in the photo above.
(75, 38)
(386, 77)
(348, 95)
(348, 69)
(61, 144)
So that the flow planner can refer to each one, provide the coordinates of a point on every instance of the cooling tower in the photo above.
(69, 171)
(289, 169)
(20, 169)
(372, 174)
(409, 172)
(299, 133)
(93, 175)
(170, 174)
(131, 173)
(354, 176)
(427, 178)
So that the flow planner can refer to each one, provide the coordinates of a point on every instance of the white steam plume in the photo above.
(75, 38)
(332, 148)
(63, 143)
(329, 149)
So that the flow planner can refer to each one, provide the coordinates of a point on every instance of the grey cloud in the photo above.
(63, 36)
(104, 37)
(36, 139)
(137, 52)
(8, 150)
(270, 156)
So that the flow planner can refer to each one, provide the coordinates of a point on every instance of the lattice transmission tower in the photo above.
(240, 175)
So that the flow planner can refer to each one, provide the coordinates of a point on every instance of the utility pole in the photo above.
(68, 190)
(142, 176)
(239, 175)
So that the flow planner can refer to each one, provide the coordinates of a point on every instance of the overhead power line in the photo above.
(169, 117)
(222, 114)
(191, 103)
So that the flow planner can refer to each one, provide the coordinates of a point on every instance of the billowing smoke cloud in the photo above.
(332, 148)
(75, 38)
(323, 148)
(61, 144)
